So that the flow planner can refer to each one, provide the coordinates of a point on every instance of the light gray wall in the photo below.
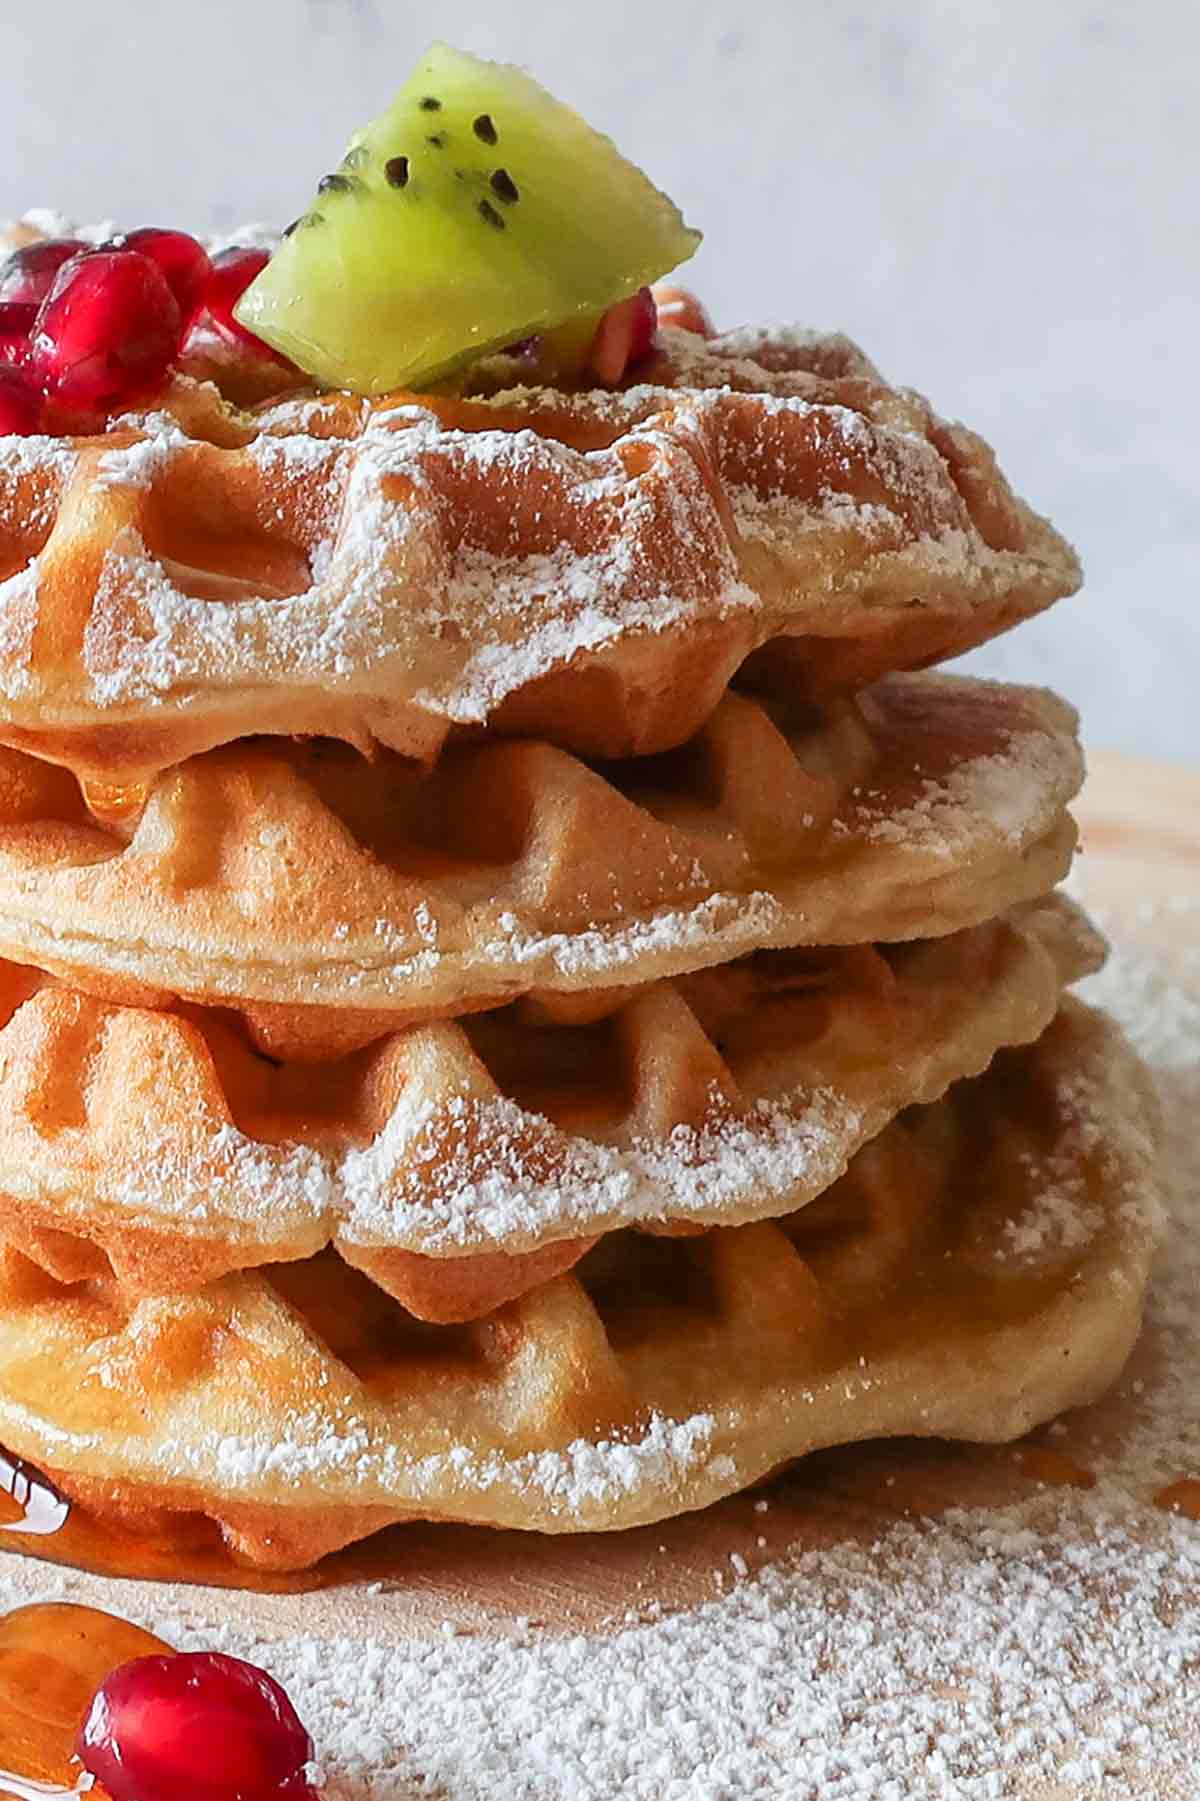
(1001, 201)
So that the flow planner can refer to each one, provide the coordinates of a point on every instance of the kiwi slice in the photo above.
(477, 211)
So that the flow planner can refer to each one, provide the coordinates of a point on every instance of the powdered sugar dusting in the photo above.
(526, 613)
(18, 622)
(732, 920)
(139, 464)
(497, 1195)
(419, 1185)
(597, 1472)
(1062, 1216)
(1009, 789)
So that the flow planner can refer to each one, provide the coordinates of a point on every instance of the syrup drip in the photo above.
(1042, 1463)
(1182, 1497)
(43, 1509)
(22, 1790)
(53, 1658)
(117, 807)
(181, 1548)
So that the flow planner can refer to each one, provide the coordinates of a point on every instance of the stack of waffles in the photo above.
(520, 1006)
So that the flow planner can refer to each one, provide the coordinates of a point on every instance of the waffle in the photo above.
(590, 569)
(330, 900)
(461, 1164)
(979, 1268)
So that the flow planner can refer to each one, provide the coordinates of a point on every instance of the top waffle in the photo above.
(589, 569)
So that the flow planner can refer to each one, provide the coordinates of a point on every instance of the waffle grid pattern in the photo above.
(587, 569)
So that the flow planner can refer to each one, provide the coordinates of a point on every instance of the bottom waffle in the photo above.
(980, 1267)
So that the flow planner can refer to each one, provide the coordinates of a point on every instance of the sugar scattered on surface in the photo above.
(1160, 1013)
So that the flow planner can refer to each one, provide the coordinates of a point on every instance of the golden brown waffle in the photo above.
(590, 569)
(461, 1164)
(331, 900)
(980, 1268)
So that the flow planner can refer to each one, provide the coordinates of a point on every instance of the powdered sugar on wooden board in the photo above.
(1041, 1647)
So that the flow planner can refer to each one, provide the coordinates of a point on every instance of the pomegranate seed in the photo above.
(20, 405)
(106, 331)
(679, 307)
(28, 275)
(644, 318)
(624, 336)
(183, 261)
(16, 326)
(202, 1725)
(232, 273)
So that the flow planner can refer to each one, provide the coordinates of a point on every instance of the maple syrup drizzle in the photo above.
(1042, 1463)
(23, 1788)
(53, 1658)
(43, 1510)
(1182, 1497)
(184, 1549)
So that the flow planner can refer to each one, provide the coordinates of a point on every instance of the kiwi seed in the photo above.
(430, 105)
(504, 187)
(485, 130)
(488, 213)
(396, 170)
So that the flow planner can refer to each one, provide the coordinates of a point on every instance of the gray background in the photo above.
(1001, 201)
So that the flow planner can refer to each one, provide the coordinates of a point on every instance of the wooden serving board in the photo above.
(1140, 869)
(1140, 853)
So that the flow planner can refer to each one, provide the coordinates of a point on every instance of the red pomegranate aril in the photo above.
(17, 318)
(643, 325)
(28, 275)
(679, 307)
(20, 405)
(183, 260)
(624, 336)
(107, 331)
(200, 1725)
(232, 273)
